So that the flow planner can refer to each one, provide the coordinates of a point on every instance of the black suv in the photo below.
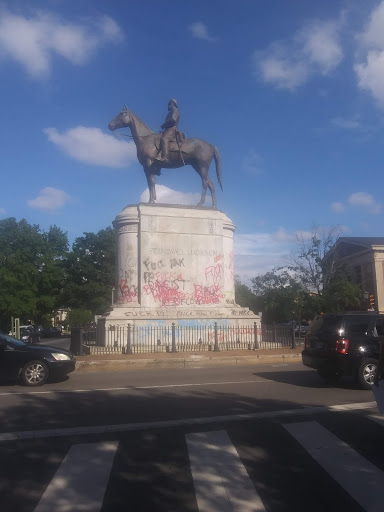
(344, 344)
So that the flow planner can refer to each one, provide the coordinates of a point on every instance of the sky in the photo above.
(290, 91)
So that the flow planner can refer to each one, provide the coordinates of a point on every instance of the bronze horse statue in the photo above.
(189, 151)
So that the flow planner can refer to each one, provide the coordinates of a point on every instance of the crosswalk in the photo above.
(325, 462)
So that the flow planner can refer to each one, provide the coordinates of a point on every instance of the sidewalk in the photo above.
(122, 362)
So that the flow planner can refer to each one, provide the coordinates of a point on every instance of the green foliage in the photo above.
(341, 295)
(310, 284)
(308, 262)
(31, 271)
(77, 317)
(90, 271)
(38, 274)
(244, 296)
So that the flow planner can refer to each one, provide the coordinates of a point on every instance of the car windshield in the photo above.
(325, 323)
(12, 341)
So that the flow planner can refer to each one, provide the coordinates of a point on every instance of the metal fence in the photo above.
(132, 339)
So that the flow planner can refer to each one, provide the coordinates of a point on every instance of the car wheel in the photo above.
(34, 373)
(329, 376)
(366, 373)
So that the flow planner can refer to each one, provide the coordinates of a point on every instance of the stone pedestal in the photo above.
(174, 265)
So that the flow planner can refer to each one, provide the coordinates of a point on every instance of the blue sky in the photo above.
(291, 93)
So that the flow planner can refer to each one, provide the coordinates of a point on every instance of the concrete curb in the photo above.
(192, 361)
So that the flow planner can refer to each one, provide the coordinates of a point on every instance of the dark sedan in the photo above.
(29, 335)
(30, 364)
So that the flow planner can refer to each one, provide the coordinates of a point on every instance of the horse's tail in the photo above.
(217, 158)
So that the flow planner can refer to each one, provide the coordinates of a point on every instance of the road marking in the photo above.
(80, 482)
(100, 429)
(360, 478)
(221, 481)
(202, 384)
(128, 388)
(64, 391)
(378, 419)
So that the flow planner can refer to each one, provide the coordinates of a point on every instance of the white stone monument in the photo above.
(174, 265)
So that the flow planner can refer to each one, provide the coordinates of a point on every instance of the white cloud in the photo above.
(252, 163)
(276, 67)
(92, 146)
(168, 196)
(258, 253)
(346, 124)
(370, 68)
(200, 31)
(33, 41)
(258, 244)
(366, 201)
(338, 207)
(371, 75)
(2, 211)
(289, 64)
(49, 199)
(321, 45)
(373, 34)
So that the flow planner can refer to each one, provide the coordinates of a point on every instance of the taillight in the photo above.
(342, 346)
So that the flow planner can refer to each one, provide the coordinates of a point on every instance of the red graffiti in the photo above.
(127, 293)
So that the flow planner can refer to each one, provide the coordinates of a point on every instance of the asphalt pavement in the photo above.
(215, 435)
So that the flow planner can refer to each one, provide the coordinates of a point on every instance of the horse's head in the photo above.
(121, 120)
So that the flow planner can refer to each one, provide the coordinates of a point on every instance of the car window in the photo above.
(356, 324)
(379, 327)
(324, 323)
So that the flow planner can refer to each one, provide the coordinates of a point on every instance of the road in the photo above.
(190, 439)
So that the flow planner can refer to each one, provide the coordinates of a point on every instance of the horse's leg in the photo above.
(153, 184)
(149, 176)
(203, 173)
(211, 187)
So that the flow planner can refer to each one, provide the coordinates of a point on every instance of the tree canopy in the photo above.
(39, 274)
(309, 284)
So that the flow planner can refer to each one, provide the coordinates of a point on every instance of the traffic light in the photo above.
(372, 301)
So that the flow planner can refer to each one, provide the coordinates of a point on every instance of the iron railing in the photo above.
(133, 339)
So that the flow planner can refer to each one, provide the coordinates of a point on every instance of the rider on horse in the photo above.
(169, 128)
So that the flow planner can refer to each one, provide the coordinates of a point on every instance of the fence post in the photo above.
(77, 341)
(274, 332)
(173, 337)
(129, 341)
(256, 345)
(216, 349)
(293, 337)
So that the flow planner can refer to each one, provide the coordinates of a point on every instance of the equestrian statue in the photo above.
(169, 149)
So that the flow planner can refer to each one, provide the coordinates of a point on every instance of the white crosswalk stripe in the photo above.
(80, 482)
(241, 469)
(221, 481)
(378, 419)
(359, 477)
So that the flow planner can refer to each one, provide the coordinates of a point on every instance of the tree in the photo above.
(244, 296)
(282, 297)
(309, 263)
(90, 271)
(31, 270)
(78, 317)
(312, 281)
(341, 295)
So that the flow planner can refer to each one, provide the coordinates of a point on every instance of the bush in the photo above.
(77, 317)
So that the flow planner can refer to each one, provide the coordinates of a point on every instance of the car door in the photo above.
(9, 360)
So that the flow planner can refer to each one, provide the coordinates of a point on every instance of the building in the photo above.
(364, 259)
